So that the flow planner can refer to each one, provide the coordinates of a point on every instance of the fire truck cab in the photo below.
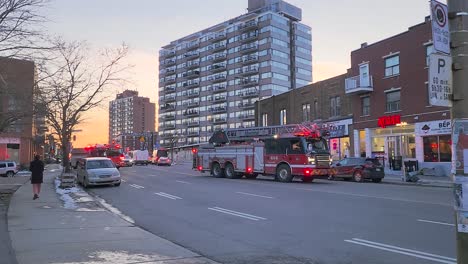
(284, 152)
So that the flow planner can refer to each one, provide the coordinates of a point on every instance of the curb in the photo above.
(419, 184)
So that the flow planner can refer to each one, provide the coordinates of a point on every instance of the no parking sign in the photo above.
(440, 28)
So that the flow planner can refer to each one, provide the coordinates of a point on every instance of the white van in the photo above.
(139, 157)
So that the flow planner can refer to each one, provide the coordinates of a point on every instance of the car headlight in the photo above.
(311, 160)
(92, 175)
(115, 174)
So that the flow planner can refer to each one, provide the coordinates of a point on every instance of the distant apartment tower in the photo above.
(211, 79)
(130, 113)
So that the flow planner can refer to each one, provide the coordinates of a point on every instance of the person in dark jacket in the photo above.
(37, 169)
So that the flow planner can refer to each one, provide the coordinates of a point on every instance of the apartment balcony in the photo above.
(170, 54)
(249, 71)
(246, 105)
(169, 90)
(192, 55)
(169, 99)
(246, 117)
(169, 117)
(193, 133)
(358, 85)
(248, 94)
(170, 62)
(219, 120)
(193, 94)
(192, 104)
(168, 126)
(249, 59)
(217, 67)
(167, 107)
(218, 37)
(167, 135)
(248, 48)
(217, 78)
(218, 88)
(191, 112)
(249, 38)
(191, 74)
(192, 124)
(248, 26)
(189, 85)
(218, 47)
(219, 57)
(218, 110)
(248, 82)
(168, 71)
(193, 46)
(170, 80)
(219, 99)
(192, 65)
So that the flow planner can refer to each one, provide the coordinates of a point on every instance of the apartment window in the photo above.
(393, 101)
(392, 66)
(306, 112)
(265, 119)
(365, 102)
(335, 106)
(283, 120)
(429, 50)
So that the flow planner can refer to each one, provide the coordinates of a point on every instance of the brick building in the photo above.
(392, 116)
(323, 102)
(25, 137)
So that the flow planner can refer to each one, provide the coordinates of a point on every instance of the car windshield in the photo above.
(317, 145)
(99, 164)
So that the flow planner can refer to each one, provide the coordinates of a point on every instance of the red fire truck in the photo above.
(282, 151)
(113, 152)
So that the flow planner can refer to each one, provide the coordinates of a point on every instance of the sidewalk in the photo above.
(395, 177)
(45, 231)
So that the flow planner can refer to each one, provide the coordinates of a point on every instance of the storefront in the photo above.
(392, 141)
(434, 145)
(339, 138)
(10, 149)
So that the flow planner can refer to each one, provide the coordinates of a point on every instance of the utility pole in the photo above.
(458, 25)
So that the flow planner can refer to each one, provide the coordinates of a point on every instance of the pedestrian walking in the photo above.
(37, 172)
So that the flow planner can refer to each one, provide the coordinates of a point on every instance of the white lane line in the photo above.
(435, 222)
(184, 182)
(376, 197)
(137, 186)
(403, 251)
(123, 180)
(256, 195)
(170, 196)
(235, 213)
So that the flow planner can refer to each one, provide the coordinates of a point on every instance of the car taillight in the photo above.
(200, 168)
(307, 171)
(249, 170)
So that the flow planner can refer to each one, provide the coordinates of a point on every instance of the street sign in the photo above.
(440, 28)
(440, 80)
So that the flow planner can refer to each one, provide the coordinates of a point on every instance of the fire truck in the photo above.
(113, 152)
(284, 152)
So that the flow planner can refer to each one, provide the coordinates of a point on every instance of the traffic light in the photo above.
(194, 150)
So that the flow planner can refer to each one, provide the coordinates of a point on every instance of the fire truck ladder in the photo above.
(270, 131)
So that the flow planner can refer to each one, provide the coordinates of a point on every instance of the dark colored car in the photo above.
(359, 169)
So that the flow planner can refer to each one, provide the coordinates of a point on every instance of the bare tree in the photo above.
(76, 82)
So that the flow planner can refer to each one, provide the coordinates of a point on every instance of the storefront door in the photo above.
(393, 147)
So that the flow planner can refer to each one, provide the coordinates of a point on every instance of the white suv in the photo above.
(8, 168)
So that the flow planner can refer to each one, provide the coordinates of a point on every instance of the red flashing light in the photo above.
(117, 146)
(307, 171)
(194, 150)
(122, 157)
(200, 168)
(249, 170)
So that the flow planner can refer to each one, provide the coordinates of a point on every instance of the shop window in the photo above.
(362, 143)
(365, 102)
(393, 101)
(437, 148)
(392, 66)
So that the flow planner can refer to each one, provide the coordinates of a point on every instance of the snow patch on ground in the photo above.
(114, 210)
(69, 203)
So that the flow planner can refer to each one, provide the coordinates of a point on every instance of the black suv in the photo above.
(359, 169)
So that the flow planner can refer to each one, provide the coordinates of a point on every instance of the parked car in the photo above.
(359, 169)
(97, 171)
(8, 168)
(164, 161)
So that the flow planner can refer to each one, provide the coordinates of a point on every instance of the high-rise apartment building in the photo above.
(130, 113)
(210, 79)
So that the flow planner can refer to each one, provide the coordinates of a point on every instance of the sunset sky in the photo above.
(338, 27)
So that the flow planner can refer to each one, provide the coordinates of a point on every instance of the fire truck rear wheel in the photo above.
(230, 173)
(283, 173)
(217, 171)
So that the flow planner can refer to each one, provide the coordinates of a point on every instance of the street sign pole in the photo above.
(458, 22)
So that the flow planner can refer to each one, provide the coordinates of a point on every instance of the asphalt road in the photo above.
(263, 221)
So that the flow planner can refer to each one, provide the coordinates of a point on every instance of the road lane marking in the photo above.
(403, 251)
(123, 180)
(184, 182)
(235, 213)
(137, 186)
(256, 195)
(435, 222)
(170, 196)
(376, 197)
